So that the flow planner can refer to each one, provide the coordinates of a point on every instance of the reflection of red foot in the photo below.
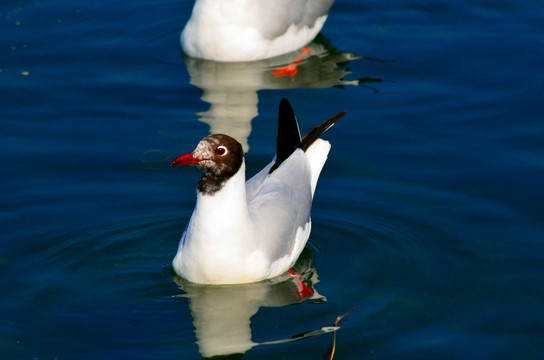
(290, 70)
(302, 291)
(286, 71)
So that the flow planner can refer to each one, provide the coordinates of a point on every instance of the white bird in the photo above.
(243, 232)
(249, 30)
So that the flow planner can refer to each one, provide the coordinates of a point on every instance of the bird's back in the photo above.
(280, 208)
(248, 30)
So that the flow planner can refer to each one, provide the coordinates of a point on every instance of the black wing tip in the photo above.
(317, 131)
(288, 139)
(285, 107)
(340, 115)
(289, 134)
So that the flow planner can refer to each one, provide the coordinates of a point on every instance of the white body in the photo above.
(254, 230)
(249, 30)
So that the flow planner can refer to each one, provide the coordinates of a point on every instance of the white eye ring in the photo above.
(222, 150)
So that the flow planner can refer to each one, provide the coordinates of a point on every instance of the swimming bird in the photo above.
(249, 30)
(246, 231)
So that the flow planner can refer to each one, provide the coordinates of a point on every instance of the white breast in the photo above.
(236, 238)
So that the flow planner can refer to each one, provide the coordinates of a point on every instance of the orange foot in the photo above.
(302, 291)
(290, 70)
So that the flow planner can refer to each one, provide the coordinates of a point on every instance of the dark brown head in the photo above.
(219, 157)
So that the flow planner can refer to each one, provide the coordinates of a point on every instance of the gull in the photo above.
(250, 30)
(247, 231)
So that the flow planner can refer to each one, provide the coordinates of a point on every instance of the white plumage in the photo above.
(248, 30)
(249, 231)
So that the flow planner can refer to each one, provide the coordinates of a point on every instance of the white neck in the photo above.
(219, 234)
(226, 203)
(223, 215)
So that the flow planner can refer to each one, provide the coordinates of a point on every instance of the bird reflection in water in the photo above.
(222, 313)
(231, 88)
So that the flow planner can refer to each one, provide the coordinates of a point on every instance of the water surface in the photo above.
(428, 217)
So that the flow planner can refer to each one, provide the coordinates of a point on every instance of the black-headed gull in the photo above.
(249, 30)
(246, 231)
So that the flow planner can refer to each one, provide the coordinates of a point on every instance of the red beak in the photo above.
(185, 160)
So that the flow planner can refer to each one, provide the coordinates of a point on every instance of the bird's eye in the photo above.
(221, 150)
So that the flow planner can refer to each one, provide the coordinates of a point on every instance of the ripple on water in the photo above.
(358, 261)
(421, 263)
(113, 278)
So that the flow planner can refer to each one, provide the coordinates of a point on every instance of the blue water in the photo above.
(428, 219)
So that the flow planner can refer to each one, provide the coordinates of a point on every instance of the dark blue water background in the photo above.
(428, 218)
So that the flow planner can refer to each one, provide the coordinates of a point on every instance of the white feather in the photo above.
(248, 30)
(254, 230)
